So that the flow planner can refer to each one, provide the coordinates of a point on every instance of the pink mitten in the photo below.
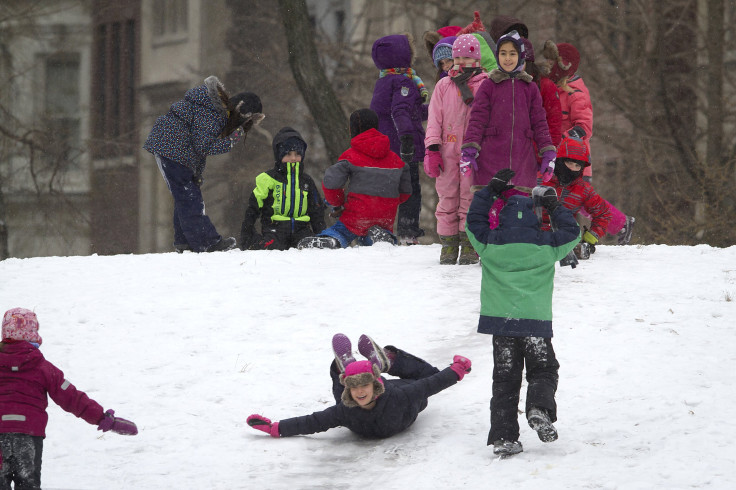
(259, 422)
(433, 166)
(461, 366)
(117, 424)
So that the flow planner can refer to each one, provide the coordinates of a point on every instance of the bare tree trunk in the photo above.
(311, 79)
(715, 112)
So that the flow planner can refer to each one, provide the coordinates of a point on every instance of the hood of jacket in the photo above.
(502, 24)
(372, 143)
(394, 51)
(19, 356)
(518, 213)
(208, 95)
(281, 137)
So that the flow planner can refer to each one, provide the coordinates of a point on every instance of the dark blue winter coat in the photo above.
(518, 260)
(191, 129)
(396, 98)
(395, 410)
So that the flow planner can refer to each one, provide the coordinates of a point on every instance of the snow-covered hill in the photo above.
(189, 345)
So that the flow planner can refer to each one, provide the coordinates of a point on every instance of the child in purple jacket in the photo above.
(26, 379)
(400, 100)
(507, 118)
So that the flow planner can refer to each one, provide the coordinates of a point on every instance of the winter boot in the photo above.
(582, 250)
(223, 245)
(378, 234)
(373, 352)
(182, 247)
(506, 448)
(408, 240)
(343, 350)
(450, 249)
(467, 253)
(624, 236)
(318, 242)
(540, 422)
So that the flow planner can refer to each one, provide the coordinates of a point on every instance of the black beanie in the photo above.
(250, 103)
(362, 120)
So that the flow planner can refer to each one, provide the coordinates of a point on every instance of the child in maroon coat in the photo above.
(26, 379)
(576, 194)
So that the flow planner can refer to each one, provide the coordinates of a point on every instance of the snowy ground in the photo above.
(188, 346)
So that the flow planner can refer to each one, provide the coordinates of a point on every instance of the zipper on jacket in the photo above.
(513, 121)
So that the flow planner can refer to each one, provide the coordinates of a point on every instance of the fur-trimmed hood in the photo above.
(499, 76)
(217, 93)
(565, 58)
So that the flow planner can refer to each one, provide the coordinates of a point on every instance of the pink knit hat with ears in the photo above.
(20, 324)
(466, 45)
(360, 373)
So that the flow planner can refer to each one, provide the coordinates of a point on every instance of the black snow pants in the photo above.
(21, 461)
(509, 356)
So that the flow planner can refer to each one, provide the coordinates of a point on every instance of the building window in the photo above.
(113, 101)
(62, 110)
(170, 19)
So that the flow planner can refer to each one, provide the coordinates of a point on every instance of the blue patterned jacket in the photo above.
(191, 129)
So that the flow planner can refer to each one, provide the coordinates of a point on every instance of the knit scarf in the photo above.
(408, 72)
(460, 75)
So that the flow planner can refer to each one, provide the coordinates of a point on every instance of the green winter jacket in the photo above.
(518, 261)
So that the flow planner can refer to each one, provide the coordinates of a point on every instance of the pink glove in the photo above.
(236, 136)
(259, 422)
(433, 166)
(461, 366)
(117, 425)
(547, 169)
(468, 160)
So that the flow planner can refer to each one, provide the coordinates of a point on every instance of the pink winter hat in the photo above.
(466, 45)
(20, 324)
(360, 373)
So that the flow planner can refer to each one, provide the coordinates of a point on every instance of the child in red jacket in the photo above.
(365, 188)
(26, 379)
(578, 195)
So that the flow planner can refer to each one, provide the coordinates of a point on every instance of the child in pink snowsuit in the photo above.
(27, 378)
(449, 112)
(577, 118)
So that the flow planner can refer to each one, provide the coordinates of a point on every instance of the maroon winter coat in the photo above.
(26, 377)
(578, 195)
(506, 120)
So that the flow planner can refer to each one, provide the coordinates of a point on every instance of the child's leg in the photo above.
(508, 365)
(199, 231)
(22, 455)
(337, 387)
(276, 236)
(340, 232)
(407, 366)
(618, 220)
(408, 217)
(448, 203)
(541, 375)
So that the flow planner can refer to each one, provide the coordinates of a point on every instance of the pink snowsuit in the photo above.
(446, 124)
(577, 110)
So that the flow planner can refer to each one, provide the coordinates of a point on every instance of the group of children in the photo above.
(488, 122)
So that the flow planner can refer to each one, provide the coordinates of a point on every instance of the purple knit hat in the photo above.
(20, 324)
(442, 50)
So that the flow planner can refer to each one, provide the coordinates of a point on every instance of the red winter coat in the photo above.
(25, 380)
(378, 181)
(506, 119)
(553, 109)
(581, 195)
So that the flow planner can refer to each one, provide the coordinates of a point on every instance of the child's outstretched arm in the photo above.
(306, 424)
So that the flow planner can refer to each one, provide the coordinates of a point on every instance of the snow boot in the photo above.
(379, 235)
(583, 250)
(318, 242)
(624, 236)
(467, 252)
(408, 240)
(506, 448)
(540, 422)
(223, 245)
(343, 350)
(182, 247)
(374, 353)
(450, 249)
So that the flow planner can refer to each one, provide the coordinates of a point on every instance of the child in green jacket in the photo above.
(518, 262)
